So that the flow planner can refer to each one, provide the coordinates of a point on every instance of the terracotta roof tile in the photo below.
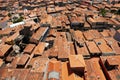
(29, 48)
(78, 35)
(39, 49)
(88, 35)
(93, 69)
(38, 64)
(23, 60)
(68, 73)
(76, 21)
(82, 50)
(1, 62)
(95, 34)
(104, 48)
(105, 33)
(115, 46)
(72, 48)
(93, 47)
(54, 67)
(65, 47)
(38, 35)
(4, 73)
(110, 65)
(4, 49)
(23, 74)
(12, 38)
(33, 76)
(87, 25)
(14, 62)
(112, 61)
(77, 62)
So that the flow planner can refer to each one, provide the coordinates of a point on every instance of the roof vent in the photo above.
(98, 43)
(54, 75)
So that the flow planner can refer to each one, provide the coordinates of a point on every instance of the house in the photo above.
(77, 63)
(39, 35)
(110, 66)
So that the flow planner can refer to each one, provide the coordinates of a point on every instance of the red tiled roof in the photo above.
(39, 49)
(77, 62)
(94, 70)
(29, 48)
(4, 48)
(93, 47)
(23, 59)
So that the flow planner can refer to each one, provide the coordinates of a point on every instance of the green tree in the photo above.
(9, 14)
(103, 12)
(18, 20)
(118, 11)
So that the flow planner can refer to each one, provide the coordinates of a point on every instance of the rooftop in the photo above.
(59, 40)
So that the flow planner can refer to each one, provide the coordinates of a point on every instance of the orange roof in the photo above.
(54, 67)
(53, 52)
(29, 48)
(117, 5)
(93, 47)
(52, 32)
(79, 36)
(1, 62)
(95, 34)
(5, 31)
(39, 49)
(61, 44)
(56, 22)
(14, 62)
(37, 35)
(38, 64)
(4, 19)
(94, 70)
(61, 35)
(115, 47)
(110, 40)
(51, 10)
(65, 47)
(68, 74)
(93, 8)
(86, 25)
(112, 32)
(59, 8)
(76, 61)
(34, 26)
(77, 20)
(64, 71)
(72, 49)
(24, 58)
(115, 21)
(112, 73)
(82, 50)
(4, 48)
(105, 33)
(33, 76)
(100, 40)
(88, 35)
(105, 49)
(23, 73)
(13, 37)
(112, 61)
